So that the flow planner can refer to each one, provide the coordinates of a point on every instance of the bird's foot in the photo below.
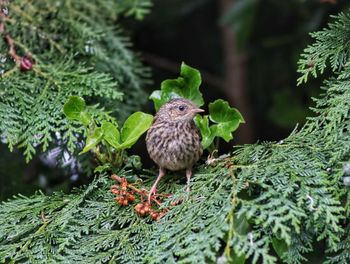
(188, 176)
(153, 191)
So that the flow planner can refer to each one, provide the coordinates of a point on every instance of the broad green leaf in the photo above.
(85, 118)
(111, 134)
(238, 259)
(74, 109)
(156, 96)
(93, 139)
(220, 111)
(227, 119)
(137, 124)
(203, 125)
(280, 247)
(186, 86)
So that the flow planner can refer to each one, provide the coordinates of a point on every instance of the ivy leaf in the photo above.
(136, 124)
(203, 125)
(74, 109)
(227, 119)
(111, 134)
(93, 139)
(186, 86)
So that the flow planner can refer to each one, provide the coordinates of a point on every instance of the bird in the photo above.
(173, 141)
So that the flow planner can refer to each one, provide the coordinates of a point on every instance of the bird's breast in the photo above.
(174, 146)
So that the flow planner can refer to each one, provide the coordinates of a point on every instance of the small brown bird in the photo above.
(173, 141)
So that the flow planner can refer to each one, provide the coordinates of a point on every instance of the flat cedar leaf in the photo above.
(111, 134)
(186, 86)
(74, 109)
(280, 247)
(93, 139)
(227, 119)
(203, 125)
(136, 124)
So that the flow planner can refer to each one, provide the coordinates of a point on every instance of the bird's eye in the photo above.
(181, 107)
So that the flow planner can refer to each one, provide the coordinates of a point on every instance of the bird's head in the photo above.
(178, 110)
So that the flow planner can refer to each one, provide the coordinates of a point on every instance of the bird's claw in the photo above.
(153, 191)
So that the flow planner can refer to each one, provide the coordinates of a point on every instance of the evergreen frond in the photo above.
(58, 36)
(265, 202)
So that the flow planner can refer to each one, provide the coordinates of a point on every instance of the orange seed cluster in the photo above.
(126, 194)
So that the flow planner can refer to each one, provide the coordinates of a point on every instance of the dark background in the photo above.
(247, 52)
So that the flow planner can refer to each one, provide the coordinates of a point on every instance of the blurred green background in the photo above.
(247, 52)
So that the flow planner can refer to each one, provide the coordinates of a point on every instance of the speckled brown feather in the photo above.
(173, 141)
(174, 145)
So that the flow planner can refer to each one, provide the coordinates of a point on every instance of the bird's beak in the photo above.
(197, 110)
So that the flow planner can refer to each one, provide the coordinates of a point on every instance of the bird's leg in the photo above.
(188, 176)
(154, 187)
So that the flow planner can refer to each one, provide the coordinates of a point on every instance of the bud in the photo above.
(26, 64)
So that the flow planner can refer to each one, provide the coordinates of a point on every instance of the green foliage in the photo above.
(107, 134)
(74, 109)
(137, 124)
(186, 86)
(265, 203)
(226, 119)
(77, 51)
(316, 57)
(136, 8)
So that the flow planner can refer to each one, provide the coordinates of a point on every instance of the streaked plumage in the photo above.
(173, 141)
